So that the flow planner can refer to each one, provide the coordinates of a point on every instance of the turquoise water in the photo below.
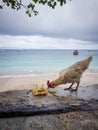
(26, 62)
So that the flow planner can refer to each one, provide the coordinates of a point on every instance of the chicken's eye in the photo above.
(52, 85)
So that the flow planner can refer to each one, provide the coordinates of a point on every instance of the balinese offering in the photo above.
(40, 90)
(53, 91)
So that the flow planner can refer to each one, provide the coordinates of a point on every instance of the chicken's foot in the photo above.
(76, 87)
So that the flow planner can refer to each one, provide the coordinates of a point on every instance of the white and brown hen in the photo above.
(71, 74)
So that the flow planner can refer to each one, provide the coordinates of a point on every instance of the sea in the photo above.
(36, 62)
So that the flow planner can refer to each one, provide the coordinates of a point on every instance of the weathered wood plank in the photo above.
(30, 110)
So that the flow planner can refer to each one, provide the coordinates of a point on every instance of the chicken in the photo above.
(71, 74)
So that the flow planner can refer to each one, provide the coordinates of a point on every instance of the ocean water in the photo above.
(36, 62)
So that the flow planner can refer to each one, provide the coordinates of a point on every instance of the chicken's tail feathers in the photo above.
(89, 59)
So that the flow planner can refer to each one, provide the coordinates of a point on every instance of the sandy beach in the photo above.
(20, 83)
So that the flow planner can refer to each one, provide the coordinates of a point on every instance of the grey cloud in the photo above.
(78, 19)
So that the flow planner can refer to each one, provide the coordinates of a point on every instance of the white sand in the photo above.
(19, 83)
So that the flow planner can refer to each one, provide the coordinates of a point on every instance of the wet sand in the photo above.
(20, 83)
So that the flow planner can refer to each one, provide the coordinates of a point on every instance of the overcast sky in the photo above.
(73, 26)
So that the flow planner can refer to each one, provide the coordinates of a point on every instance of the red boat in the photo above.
(75, 52)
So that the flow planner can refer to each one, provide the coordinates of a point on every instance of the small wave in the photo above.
(92, 70)
(27, 75)
(39, 74)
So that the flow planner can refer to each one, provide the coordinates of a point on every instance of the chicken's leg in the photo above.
(76, 87)
(69, 87)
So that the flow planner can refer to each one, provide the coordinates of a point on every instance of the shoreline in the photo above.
(20, 83)
(38, 74)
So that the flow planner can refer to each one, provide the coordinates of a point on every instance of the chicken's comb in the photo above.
(48, 84)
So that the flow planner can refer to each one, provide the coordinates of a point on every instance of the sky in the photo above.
(73, 26)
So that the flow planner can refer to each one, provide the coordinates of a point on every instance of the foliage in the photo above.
(30, 7)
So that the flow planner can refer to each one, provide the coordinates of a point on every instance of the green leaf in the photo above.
(35, 12)
(27, 11)
(1, 7)
(29, 14)
(35, 1)
(8, 4)
(4, 1)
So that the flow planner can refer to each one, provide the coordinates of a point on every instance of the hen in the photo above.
(71, 74)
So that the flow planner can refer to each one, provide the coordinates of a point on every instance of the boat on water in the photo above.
(75, 52)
